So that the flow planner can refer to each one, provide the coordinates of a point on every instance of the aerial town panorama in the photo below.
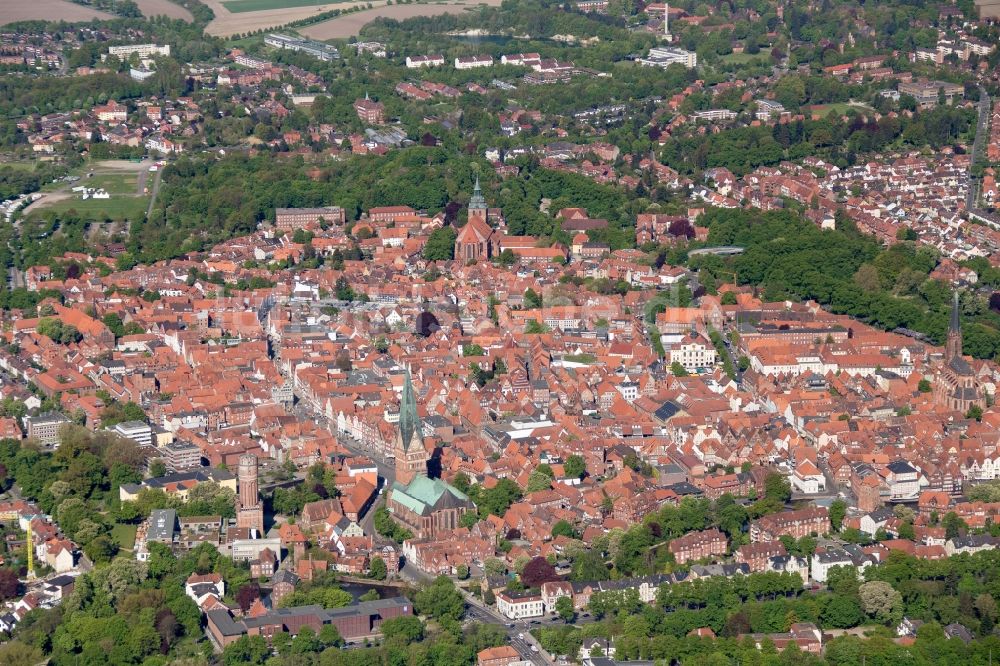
(520, 333)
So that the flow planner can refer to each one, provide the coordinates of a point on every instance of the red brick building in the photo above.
(353, 622)
(756, 555)
(698, 545)
(795, 524)
(498, 656)
(370, 112)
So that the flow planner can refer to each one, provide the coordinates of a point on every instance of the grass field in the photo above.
(115, 208)
(19, 165)
(114, 183)
(120, 179)
(741, 58)
(240, 6)
(124, 536)
(839, 108)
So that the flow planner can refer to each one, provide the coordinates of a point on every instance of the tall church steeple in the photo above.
(408, 419)
(410, 452)
(953, 348)
(477, 203)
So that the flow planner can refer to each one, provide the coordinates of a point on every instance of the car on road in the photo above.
(521, 636)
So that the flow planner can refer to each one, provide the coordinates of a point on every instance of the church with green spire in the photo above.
(424, 505)
(474, 240)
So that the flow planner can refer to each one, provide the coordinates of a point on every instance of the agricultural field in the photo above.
(240, 6)
(163, 8)
(231, 19)
(350, 25)
(12, 11)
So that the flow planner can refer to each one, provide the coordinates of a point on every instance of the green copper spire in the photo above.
(478, 201)
(409, 422)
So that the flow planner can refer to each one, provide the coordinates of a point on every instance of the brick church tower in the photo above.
(411, 454)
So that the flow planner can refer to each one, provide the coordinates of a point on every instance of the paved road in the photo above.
(517, 633)
(386, 467)
(982, 131)
(154, 191)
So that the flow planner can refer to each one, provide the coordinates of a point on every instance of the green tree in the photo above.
(881, 602)
(538, 481)
(575, 467)
(953, 525)
(440, 245)
(157, 468)
(440, 600)
(564, 528)
(407, 629)
(377, 569)
(565, 610)
(246, 650)
(306, 642)
(838, 510)
(329, 636)
(777, 488)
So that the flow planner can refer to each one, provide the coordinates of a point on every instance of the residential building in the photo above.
(520, 605)
(502, 655)
(180, 455)
(795, 524)
(698, 545)
(757, 555)
(142, 50)
(416, 62)
(473, 62)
